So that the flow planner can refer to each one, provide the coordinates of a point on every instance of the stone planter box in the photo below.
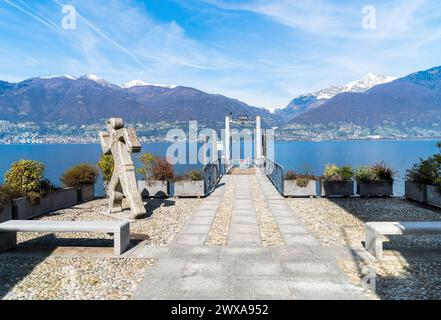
(433, 196)
(291, 189)
(5, 211)
(86, 193)
(337, 188)
(24, 209)
(382, 188)
(7, 239)
(153, 189)
(189, 189)
(415, 191)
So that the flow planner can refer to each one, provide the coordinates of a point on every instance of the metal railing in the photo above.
(274, 172)
(213, 173)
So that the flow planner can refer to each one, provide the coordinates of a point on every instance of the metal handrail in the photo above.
(213, 173)
(274, 172)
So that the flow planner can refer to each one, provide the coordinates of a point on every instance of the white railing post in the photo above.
(227, 138)
(258, 140)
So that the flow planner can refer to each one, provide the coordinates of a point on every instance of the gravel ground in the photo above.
(400, 280)
(67, 278)
(218, 235)
(84, 277)
(168, 216)
(269, 230)
(340, 223)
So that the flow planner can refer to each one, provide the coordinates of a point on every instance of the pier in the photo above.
(244, 242)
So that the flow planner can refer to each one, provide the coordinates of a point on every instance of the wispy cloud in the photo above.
(37, 17)
(102, 34)
(263, 52)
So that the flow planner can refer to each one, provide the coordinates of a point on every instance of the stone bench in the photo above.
(120, 230)
(376, 230)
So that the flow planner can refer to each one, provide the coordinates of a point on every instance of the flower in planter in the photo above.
(79, 175)
(302, 180)
(335, 173)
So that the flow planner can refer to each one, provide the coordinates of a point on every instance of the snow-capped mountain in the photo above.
(141, 83)
(308, 101)
(364, 84)
(67, 76)
(100, 81)
(413, 101)
(368, 82)
(91, 99)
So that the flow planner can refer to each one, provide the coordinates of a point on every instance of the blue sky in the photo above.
(262, 52)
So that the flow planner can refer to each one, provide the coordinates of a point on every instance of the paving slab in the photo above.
(195, 228)
(245, 269)
(204, 220)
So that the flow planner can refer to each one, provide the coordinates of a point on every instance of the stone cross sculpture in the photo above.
(121, 142)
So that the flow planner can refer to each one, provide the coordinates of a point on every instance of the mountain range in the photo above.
(91, 99)
(413, 101)
(408, 102)
(309, 101)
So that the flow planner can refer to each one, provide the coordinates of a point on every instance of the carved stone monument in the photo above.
(121, 142)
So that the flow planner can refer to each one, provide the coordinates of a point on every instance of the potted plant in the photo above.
(82, 177)
(423, 174)
(34, 195)
(375, 181)
(190, 184)
(337, 181)
(432, 171)
(157, 173)
(5, 204)
(299, 185)
(7, 239)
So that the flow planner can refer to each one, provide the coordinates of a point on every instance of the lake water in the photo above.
(297, 156)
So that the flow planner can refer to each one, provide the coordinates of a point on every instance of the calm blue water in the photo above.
(297, 156)
(314, 156)
(59, 157)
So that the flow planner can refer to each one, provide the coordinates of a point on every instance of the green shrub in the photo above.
(106, 164)
(162, 170)
(79, 175)
(426, 171)
(147, 165)
(346, 173)
(45, 187)
(379, 171)
(365, 174)
(331, 172)
(6, 194)
(25, 176)
(335, 173)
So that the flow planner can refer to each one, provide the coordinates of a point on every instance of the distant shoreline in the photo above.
(277, 141)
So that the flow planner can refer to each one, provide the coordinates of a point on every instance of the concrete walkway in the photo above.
(245, 269)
